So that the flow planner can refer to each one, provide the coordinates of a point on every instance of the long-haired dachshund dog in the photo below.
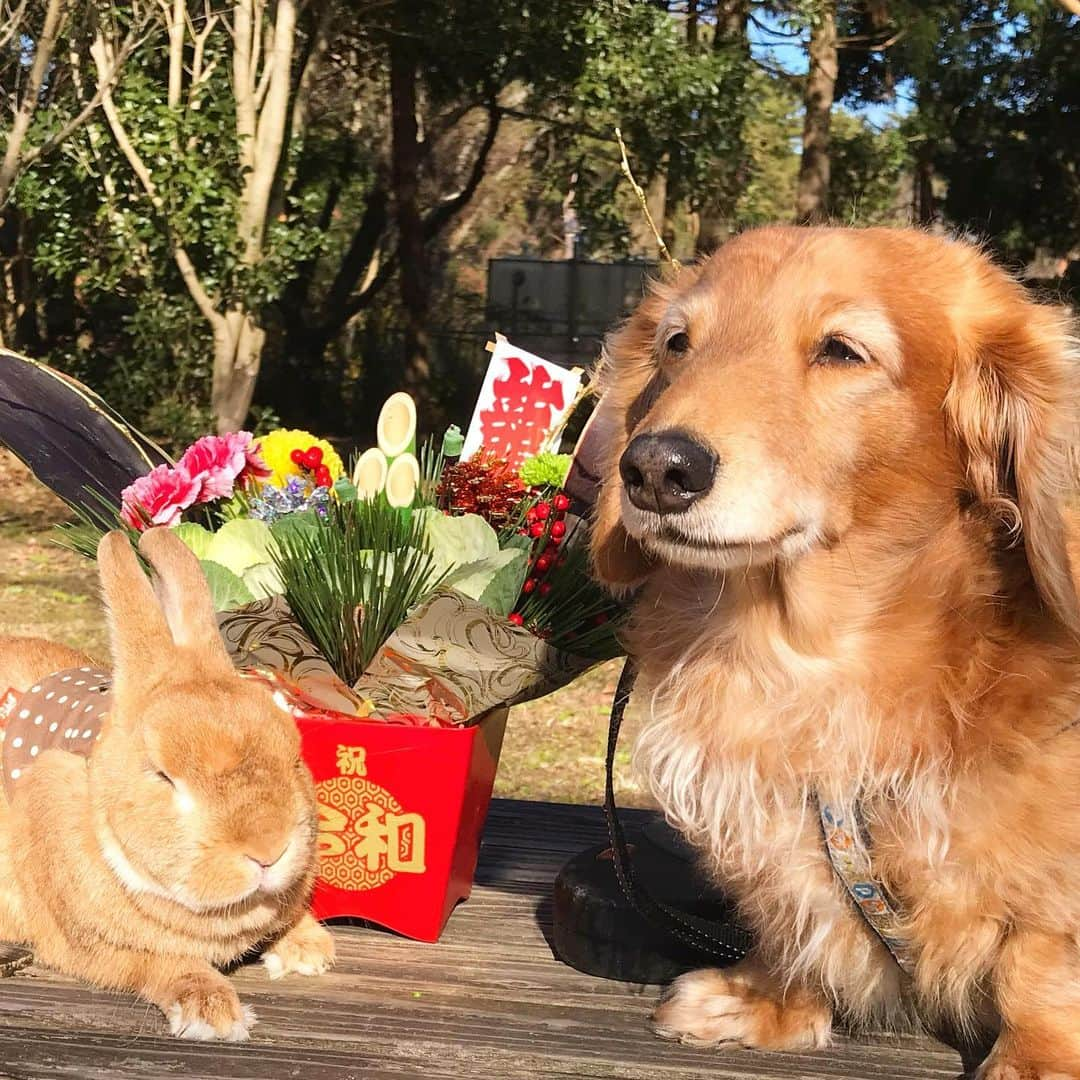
(836, 488)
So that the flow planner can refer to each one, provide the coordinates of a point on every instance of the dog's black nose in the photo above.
(667, 473)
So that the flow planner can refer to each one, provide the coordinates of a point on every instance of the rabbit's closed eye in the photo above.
(159, 774)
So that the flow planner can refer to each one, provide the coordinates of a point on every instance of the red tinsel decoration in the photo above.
(484, 485)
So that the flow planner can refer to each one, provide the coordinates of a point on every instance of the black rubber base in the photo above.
(597, 931)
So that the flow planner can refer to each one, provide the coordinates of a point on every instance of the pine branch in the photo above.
(351, 578)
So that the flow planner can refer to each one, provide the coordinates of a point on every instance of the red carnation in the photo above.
(159, 498)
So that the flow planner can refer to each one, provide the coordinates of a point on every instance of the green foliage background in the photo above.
(984, 93)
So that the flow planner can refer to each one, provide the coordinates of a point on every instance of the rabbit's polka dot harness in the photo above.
(63, 712)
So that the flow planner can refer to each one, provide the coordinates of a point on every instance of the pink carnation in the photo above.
(161, 496)
(255, 465)
(219, 462)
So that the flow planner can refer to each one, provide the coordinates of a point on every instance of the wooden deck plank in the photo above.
(487, 1001)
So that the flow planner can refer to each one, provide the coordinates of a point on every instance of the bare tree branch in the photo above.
(318, 45)
(871, 42)
(199, 74)
(89, 107)
(100, 51)
(358, 259)
(776, 72)
(55, 14)
(244, 82)
(370, 288)
(269, 134)
(12, 24)
(437, 219)
(174, 21)
(264, 45)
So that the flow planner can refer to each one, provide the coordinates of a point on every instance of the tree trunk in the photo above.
(238, 346)
(925, 209)
(812, 197)
(405, 179)
(731, 17)
(44, 48)
(10, 299)
(714, 218)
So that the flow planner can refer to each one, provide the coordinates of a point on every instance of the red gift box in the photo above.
(401, 806)
(401, 810)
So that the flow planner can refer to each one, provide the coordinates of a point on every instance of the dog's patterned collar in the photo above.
(846, 845)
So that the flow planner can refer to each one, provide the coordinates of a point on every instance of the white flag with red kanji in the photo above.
(522, 404)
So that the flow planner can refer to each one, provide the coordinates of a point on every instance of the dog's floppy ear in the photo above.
(629, 384)
(1012, 402)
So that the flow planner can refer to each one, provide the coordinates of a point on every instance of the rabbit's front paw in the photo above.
(307, 949)
(205, 1007)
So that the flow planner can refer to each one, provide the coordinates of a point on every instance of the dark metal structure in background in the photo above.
(561, 308)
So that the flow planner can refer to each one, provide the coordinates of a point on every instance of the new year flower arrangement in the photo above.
(397, 607)
(373, 570)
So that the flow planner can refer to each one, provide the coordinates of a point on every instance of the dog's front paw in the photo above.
(1053, 1055)
(205, 1006)
(1005, 1067)
(1006, 1070)
(307, 949)
(740, 1007)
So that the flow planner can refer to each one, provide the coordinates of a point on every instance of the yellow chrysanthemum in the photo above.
(276, 450)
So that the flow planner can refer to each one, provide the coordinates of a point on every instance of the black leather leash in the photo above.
(723, 942)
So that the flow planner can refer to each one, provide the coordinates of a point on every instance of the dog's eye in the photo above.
(835, 350)
(678, 344)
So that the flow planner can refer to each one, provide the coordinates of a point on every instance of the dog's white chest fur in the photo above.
(735, 768)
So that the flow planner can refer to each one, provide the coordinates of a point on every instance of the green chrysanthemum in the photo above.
(545, 470)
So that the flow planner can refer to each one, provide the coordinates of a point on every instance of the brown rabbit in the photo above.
(187, 838)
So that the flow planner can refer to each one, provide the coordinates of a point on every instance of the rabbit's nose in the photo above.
(264, 861)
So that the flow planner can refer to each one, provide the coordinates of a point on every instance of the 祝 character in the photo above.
(352, 760)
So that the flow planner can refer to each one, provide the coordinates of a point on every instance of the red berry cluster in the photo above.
(311, 460)
(484, 485)
(546, 525)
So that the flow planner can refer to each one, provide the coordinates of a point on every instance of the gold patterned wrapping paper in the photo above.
(451, 661)
(265, 634)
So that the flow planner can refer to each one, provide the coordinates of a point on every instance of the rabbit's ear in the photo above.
(137, 627)
(184, 595)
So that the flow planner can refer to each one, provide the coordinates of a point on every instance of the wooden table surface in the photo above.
(489, 1001)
